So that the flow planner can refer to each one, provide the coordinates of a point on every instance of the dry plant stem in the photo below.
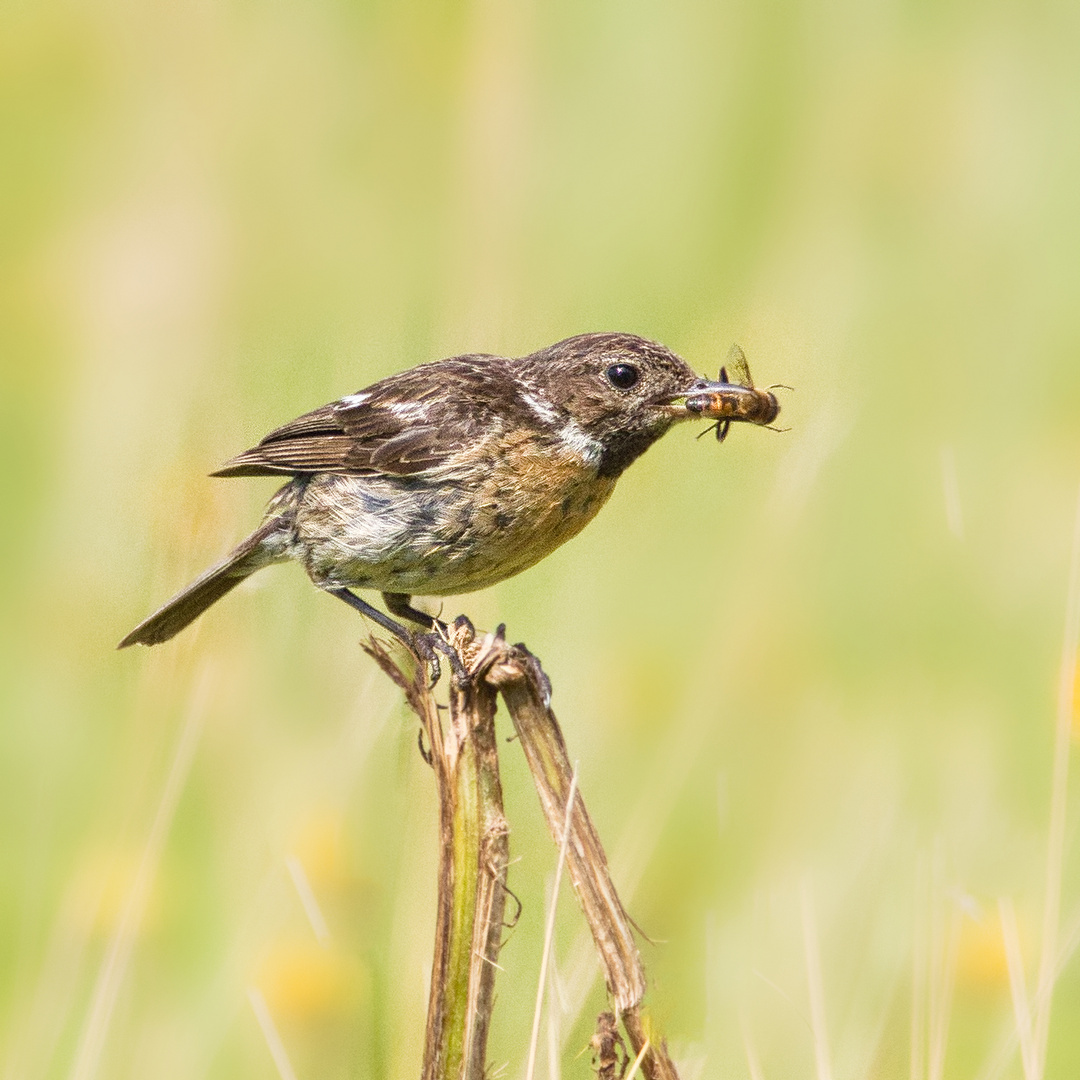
(473, 855)
(518, 676)
(656, 1064)
(552, 773)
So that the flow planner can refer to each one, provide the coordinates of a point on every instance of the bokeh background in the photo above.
(811, 678)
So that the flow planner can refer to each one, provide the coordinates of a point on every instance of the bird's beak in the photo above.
(723, 401)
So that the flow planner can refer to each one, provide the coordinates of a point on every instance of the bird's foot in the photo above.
(428, 647)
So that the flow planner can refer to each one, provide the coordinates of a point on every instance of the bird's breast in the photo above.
(497, 509)
(527, 501)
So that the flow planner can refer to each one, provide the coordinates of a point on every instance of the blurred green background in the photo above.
(810, 678)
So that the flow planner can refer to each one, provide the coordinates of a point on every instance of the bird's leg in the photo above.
(373, 613)
(435, 640)
(427, 646)
(400, 604)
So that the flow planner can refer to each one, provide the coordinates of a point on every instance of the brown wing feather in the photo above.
(412, 451)
(325, 453)
(437, 407)
(324, 421)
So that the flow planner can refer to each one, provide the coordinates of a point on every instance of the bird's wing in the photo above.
(402, 425)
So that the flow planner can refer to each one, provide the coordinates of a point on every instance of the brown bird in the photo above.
(457, 474)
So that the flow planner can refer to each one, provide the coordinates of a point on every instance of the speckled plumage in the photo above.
(456, 474)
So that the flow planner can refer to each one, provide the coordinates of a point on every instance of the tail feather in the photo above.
(262, 547)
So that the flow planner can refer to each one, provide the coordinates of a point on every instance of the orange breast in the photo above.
(532, 499)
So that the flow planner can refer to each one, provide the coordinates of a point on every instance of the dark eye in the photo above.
(622, 375)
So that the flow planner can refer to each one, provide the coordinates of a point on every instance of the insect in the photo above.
(736, 400)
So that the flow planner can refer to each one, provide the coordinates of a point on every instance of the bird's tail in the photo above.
(264, 546)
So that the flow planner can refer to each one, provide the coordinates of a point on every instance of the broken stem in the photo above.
(473, 855)
(526, 691)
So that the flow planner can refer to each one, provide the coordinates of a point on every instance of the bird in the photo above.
(456, 474)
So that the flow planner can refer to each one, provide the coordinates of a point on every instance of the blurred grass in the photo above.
(776, 662)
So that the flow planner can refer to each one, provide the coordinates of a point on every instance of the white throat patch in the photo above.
(572, 436)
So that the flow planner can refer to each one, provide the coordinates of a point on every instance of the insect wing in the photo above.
(737, 365)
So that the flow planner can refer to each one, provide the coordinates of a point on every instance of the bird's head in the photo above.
(616, 394)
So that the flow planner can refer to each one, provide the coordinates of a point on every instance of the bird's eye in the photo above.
(622, 375)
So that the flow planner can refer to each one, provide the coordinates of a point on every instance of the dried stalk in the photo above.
(525, 690)
(474, 853)
(473, 856)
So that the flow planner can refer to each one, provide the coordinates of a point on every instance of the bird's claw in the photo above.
(428, 646)
(421, 645)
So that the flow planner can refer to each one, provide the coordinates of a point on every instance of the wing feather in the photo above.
(402, 425)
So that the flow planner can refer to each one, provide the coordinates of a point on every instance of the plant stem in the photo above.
(473, 856)
(474, 853)
(517, 677)
(526, 691)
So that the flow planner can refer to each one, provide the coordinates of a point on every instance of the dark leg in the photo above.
(374, 614)
(399, 604)
(427, 646)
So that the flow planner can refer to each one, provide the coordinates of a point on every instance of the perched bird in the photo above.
(457, 474)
